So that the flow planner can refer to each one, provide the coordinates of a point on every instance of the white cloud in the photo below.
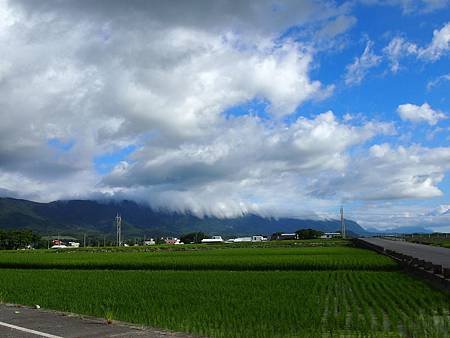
(437, 81)
(423, 113)
(100, 76)
(245, 163)
(337, 26)
(399, 48)
(411, 6)
(388, 173)
(439, 45)
(356, 71)
(394, 214)
(105, 84)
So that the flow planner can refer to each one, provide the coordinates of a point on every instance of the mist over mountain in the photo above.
(74, 217)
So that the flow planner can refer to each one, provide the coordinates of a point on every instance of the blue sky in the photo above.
(282, 108)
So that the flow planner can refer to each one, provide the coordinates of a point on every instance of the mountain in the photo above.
(75, 217)
(401, 230)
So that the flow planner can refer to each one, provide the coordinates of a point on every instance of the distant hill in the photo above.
(75, 217)
(401, 230)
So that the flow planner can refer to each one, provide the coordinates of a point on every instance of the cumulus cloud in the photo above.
(81, 81)
(390, 173)
(246, 160)
(357, 71)
(106, 76)
(103, 76)
(391, 215)
(423, 113)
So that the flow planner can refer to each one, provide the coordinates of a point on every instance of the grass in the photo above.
(242, 304)
(271, 258)
(432, 240)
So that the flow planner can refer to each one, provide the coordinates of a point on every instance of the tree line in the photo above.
(299, 234)
(17, 239)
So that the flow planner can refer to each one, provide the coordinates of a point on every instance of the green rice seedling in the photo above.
(257, 259)
(2, 297)
(109, 315)
(241, 292)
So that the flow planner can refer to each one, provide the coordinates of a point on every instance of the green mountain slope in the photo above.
(75, 217)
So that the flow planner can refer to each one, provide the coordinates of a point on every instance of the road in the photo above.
(433, 254)
(25, 322)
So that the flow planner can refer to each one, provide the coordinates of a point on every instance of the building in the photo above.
(56, 242)
(282, 236)
(329, 235)
(242, 239)
(150, 241)
(213, 239)
(256, 238)
(173, 241)
(259, 238)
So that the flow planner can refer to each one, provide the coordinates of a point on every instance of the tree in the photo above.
(308, 234)
(160, 240)
(275, 236)
(193, 237)
(16, 239)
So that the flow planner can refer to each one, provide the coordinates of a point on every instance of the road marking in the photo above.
(42, 334)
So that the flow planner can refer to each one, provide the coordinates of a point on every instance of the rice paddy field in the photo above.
(276, 258)
(295, 291)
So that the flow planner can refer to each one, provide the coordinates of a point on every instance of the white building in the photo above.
(242, 239)
(213, 239)
(150, 241)
(58, 246)
(329, 235)
(173, 241)
(259, 238)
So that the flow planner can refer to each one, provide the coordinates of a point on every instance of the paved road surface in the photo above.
(433, 254)
(25, 322)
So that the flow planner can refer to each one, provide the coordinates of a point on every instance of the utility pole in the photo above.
(343, 234)
(119, 229)
(84, 240)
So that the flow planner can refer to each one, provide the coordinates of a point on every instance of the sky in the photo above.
(279, 108)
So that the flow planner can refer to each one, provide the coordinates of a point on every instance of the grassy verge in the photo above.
(436, 241)
(242, 304)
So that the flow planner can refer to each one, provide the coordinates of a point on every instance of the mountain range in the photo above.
(75, 217)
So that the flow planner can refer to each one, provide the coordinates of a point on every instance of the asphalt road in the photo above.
(433, 254)
(24, 322)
